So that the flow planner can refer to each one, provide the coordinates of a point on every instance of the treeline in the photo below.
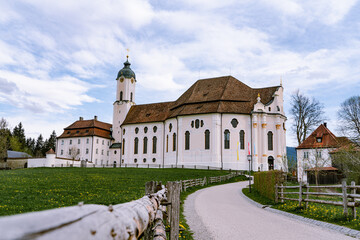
(16, 140)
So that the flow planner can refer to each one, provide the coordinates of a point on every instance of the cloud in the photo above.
(328, 12)
(7, 87)
(44, 95)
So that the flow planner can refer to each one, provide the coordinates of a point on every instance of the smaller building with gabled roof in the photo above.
(87, 140)
(313, 154)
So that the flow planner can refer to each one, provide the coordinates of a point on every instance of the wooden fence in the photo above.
(347, 195)
(144, 217)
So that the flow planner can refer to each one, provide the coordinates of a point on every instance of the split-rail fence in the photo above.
(346, 198)
(143, 218)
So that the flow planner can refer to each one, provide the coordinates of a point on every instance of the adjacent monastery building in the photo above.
(217, 122)
(86, 140)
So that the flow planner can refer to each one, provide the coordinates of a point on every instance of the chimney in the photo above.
(325, 124)
(81, 118)
(95, 118)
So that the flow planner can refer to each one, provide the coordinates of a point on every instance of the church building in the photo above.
(217, 122)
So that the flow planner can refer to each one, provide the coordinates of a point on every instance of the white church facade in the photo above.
(217, 122)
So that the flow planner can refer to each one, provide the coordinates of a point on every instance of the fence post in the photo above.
(174, 211)
(353, 191)
(150, 187)
(307, 195)
(282, 193)
(345, 201)
(276, 194)
(300, 194)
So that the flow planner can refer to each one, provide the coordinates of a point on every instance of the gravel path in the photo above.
(221, 212)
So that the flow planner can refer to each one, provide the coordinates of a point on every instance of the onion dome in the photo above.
(126, 71)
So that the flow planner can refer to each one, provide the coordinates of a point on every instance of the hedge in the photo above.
(264, 182)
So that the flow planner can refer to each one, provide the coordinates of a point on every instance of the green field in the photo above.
(27, 190)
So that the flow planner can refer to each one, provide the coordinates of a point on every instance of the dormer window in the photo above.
(319, 139)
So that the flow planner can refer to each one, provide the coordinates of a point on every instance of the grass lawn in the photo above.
(27, 190)
(321, 212)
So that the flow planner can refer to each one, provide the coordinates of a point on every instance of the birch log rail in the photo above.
(348, 195)
(122, 221)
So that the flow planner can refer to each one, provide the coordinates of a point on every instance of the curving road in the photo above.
(221, 212)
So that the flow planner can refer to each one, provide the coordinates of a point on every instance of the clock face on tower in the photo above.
(132, 80)
(121, 79)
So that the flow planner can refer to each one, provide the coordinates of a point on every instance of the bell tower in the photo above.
(125, 98)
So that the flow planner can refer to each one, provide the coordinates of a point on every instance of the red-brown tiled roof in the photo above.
(322, 169)
(88, 124)
(51, 151)
(328, 139)
(84, 128)
(213, 95)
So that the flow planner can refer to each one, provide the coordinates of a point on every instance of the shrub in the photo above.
(264, 182)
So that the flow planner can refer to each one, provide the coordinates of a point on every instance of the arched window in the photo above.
(197, 123)
(145, 145)
(136, 145)
(123, 147)
(121, 95)
(174, 142)
(242, 139)
(167, 143)
(227, 139)
(154, 144)
(207, 139)
(187, 140)
(270, 141)
(131, 96)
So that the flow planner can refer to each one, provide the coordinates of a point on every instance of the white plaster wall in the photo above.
(312, 161)
(92, 145)
(197, 154)
(171, 156)
(101, 157)
(129, 156)
(230, 155)
(121, 108)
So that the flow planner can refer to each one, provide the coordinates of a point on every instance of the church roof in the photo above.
(126, 71)
(214, 95)
(83, 128)
(328, 139)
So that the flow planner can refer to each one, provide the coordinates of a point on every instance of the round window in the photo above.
(135, 160)
(154, 159)
(144, 160)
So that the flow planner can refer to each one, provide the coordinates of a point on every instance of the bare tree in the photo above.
(74, 152)
(316, 160)
(349, 116)
(307, 113)
(347, 159)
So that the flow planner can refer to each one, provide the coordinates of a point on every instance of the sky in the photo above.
(59, 59)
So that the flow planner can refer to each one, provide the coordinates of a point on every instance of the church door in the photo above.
(271, 163)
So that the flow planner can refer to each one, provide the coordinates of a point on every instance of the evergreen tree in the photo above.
(45, 148)
(30, 144)
(52, 141)
(19, 133)
(4, 134)
(39, 146)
